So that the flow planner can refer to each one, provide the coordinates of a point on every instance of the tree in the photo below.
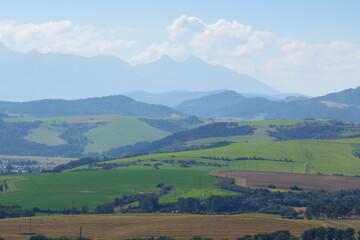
(149, 203)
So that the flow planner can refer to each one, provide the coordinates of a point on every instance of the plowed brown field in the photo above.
(285, 180)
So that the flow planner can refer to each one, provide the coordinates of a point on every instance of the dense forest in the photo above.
(316, 130)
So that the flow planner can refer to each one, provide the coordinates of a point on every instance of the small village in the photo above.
(18, 166)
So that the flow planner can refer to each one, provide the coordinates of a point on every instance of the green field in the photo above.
(61, 190)
(125, 131)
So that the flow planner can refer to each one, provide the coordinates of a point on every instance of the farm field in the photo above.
(110, 132)
(125, 131)
(276, 122)
(286, 180)
(78, 189)
(146, 225)
(300, 156)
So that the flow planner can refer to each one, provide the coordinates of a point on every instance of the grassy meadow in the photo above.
(111, 131)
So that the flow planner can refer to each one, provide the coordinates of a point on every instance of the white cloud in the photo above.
(208, 41)
(59, 37)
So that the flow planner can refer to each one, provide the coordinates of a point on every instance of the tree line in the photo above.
(329, 233)
(333, 211)
(14, 212)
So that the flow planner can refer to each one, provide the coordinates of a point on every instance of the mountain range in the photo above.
(344, 106)
(34, 76)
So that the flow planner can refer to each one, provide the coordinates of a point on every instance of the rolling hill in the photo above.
(205, 106)
(74, 136)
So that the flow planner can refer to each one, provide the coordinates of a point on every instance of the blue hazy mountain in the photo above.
(110, 105)
(205, 106)
(34, 76)
(195, 74)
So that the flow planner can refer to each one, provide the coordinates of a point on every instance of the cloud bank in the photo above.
(59, 37)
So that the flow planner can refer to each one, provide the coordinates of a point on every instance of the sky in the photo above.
(308, 47)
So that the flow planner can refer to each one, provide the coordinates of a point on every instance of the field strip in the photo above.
(179, 226)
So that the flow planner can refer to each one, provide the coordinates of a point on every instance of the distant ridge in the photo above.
(349, 96)
(344, 106)
(111, 105)
(206, 105)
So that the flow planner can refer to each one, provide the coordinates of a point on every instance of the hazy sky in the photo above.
(310, 47)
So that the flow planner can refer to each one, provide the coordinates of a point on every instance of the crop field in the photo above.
(124, 131)
(301, 156)
(286, 180)
(178, 226)
(64, 190)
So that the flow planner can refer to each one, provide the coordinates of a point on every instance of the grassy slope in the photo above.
(42, 190)
(123, 132)
(46, 134)
(308, 156)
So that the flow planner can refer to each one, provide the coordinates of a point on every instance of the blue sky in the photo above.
(311, 47)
